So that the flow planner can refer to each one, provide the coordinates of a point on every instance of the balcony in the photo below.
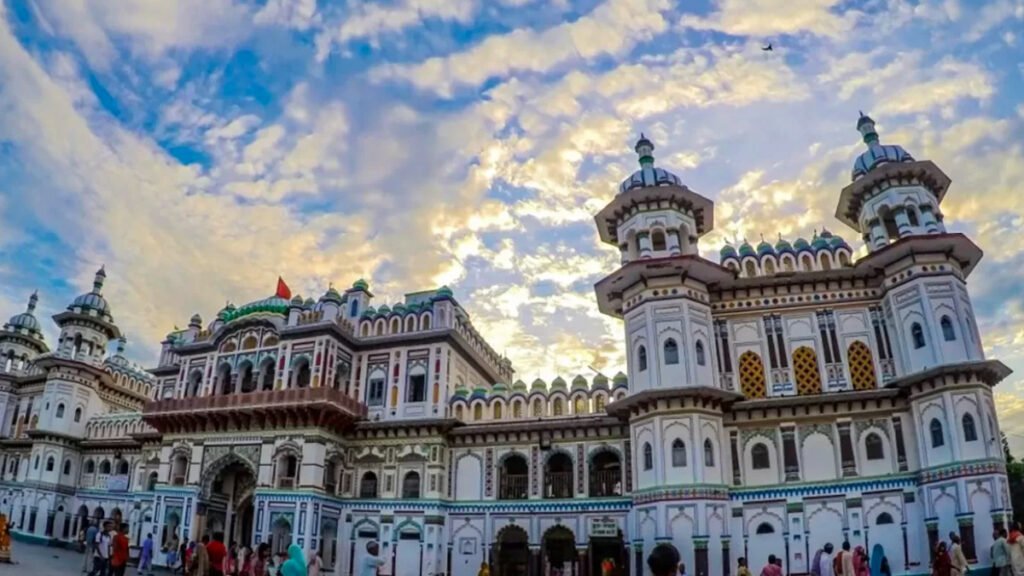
(558, 485)
(178, 481)
(605, 483)
(286, 483)
(514, 487)
(302, 406)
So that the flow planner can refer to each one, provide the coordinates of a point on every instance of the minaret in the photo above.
(87, 325)
(661, 293)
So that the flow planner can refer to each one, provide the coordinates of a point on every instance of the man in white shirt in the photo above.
(371, 562)
(101, 551)
(825, 564)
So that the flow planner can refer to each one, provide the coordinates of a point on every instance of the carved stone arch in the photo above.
(883, 506)
(510, 527)
(603, 448)
(551, 453)
(760, 518)
(754, 436)
(466, 526)
(408, 522)
(825, 507)
(510, 454)
(301, 356)
(557, 526)
(364, 522)
(212, 470)
(288, 448)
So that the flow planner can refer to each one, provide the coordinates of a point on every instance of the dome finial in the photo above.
(32, 300)
(866, 127)
(121, 343)
(645, 150)
(101, 275)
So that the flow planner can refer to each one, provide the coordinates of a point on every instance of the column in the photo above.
(644, 241)
(791, 465)
(583, 564)
(846, 454)
(700, 557)
(672, 242)
(726, 556)
(534, 568)
(902, 221)
(966, 528)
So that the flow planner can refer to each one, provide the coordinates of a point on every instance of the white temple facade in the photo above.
(786, 396)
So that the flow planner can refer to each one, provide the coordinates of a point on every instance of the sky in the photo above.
(199, 149)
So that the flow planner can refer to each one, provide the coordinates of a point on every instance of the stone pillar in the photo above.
(583, 564)
(902, 221)
(644, 242)
(700, 557)
(726, 556)
(672, 243)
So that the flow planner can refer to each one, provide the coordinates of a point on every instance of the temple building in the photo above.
(789, 395)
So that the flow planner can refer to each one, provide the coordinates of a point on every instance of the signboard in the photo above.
(604, 528)
(117, 483)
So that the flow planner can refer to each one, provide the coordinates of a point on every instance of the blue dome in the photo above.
(783, 246)
(746, 249)
(764, 248)
(877, 153)
(801, 245)
(820, 243)
(838, 242)
(648, 175)
(331, 295)
(26, 320)
(91, 301)
(620, 381)
(727, 252)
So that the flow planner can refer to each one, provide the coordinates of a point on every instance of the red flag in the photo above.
(283, 291)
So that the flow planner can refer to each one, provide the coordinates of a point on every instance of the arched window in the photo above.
(648, 456)
(122, 467)
(90, 467)
(458, 412)
(769, 268)
(497, 411)
(759, 458)
(917, 335)
(709, 453)
(411, 485)
(368, 486)
(302, 374)
(657, 240)
(873, 447)
(416, 389)
(948, 334)
(105, 467)
(60, 410)
(970, 430)
(765, 528)
(287, 471)
(579, 406)
(151, 481)
(671, 352)
(938, 440)
(517, 409)
(478, 412)
(698, 350)
(353, 308)
(807, 263)
(883, 519)
(750, 268)
(641, 358)
(248, 380)
(266, 375)
(599, 403)
(678, 453)
(556, 407)
(912, 216)
(67, 467)
(49, 464)
(538, 408)
(78, 414)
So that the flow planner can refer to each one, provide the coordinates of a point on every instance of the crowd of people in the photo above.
(107, 553)
(1007, 554)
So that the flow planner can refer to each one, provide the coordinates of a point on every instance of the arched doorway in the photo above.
(558, 476)
(608, 553)
(559, 549)
(281, 534)
(227, 496)
(511, 552)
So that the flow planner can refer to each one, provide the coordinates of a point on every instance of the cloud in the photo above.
(371, 20)
(767, 18)
(297, 14)
(611, 29)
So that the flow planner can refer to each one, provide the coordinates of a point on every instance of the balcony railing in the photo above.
(605, 483)
(263, 399)
(178, 481)
(286, 482)
(514, 487)
(558, 485)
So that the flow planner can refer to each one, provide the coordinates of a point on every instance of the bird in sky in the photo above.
(767, 48)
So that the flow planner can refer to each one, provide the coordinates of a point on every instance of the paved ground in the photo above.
(36, 560)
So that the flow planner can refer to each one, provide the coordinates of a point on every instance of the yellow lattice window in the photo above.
(805, 368)
(862, 367)
(752, 376)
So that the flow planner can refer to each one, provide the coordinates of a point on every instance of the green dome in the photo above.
(620, 379)
(580, 383)
(444, 291)
(601, 381)
(383, 309)
(783, 245)
(727, 251)
(764, 248)
(296, 300)
(499, 388)
(746, 249)
(331, 295)
(360, 285)
(558, 384)
(820, 243)
(520, 386)
(538, 386)
(399, 308)
(801, 245)
(370, 311)
(461, 391)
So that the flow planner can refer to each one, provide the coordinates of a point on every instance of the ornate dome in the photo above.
(620, 380)
(783, 246)
(360, 285)
(538, 386)
(195, 321)
(876, 154)
(648, 175)
(499, 388)
(93, 300)
(727, 252)
(580, 383)
(331, 295)
(764, 248)
(519, 386)
(558, 383)
(801, 245)
(820, 243)
(746, 249)
(600, 382)
(444, 292)
(26, 320)
(479, 392)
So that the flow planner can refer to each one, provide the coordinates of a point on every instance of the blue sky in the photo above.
(200, 149)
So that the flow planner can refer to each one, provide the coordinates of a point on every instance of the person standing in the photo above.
(1016, 545)
(843, 563)
(741, 567)
(315, 565)
(101, 553)
(941, 564)
(119, 552)
(90, 545)
(772, 568)
(825, 567)
(957, 559)
(146, 556)
(201, 558)
(218, 552)
(371, 563)
(1000, 554)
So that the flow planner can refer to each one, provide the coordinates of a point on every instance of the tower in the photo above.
(21, 338)
(86, 327)
(675, 405)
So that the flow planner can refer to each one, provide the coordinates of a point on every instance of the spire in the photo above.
(866, 127)
(97, 283)
(32, 300)
(121, 343)
(644, 149)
